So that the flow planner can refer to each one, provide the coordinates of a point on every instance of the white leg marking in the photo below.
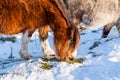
(74, 54)
(24, 46)
(46, 48)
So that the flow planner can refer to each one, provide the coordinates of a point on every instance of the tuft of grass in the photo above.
(12, 39)
(94, 54)
(79, 60)
(50, 59)
(94, 31)
(82, 33)
(46, 66)
(96, 44)
(108, 40)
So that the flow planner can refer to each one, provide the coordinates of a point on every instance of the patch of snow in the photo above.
(101, 62)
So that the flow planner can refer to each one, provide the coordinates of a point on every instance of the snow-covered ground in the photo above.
(102, 59)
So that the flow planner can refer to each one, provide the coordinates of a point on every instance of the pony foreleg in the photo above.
(43, 33)
(118, 27)
(24, 46)
(47, 49)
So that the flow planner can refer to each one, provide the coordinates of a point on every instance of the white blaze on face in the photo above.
(74, 54)
(46, 48)
(24, 46)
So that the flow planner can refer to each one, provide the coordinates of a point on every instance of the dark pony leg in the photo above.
(118, 27)
(107, 29)
(43, 34)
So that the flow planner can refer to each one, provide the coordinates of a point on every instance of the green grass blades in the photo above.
(96, 44)
(50, 59)
(79, 60)
(46, 66)
(12, 39)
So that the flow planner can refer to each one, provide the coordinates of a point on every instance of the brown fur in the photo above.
(43, 32)
(20, 15)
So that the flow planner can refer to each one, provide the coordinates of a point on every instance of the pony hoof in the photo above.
(51, 56)
(71, 58)
(25, 56)
(104, 36)
(50, 53)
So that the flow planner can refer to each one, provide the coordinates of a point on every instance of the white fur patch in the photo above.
(74, 54)
(46, 48)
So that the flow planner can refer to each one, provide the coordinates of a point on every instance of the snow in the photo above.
(102, 62)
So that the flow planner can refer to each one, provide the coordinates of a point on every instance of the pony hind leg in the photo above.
(43, 34)
(24, 46)
(107, 29)
(118, 27)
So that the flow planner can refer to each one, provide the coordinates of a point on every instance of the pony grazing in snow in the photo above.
(25, 16)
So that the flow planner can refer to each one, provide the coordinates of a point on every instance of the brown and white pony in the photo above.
(94, 13)
(25, 16)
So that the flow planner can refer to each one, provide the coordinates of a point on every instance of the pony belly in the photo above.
(99, 19)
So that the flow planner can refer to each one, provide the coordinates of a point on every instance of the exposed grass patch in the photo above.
(79, 60)
(94, 54)
(50, 59)
(96, 44)
(46, 66)
(94, 31)
(108, 40)
(12, 39)
(82, 33)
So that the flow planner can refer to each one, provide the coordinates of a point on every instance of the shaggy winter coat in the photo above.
(18, 16)
(95, 13)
